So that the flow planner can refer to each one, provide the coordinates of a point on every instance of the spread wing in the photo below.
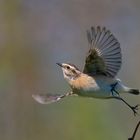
(104, 56)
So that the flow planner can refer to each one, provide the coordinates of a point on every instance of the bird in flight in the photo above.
(98, 79)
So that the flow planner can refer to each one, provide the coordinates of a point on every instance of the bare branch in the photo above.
(135, 131)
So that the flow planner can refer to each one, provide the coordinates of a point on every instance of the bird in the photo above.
(99, 76)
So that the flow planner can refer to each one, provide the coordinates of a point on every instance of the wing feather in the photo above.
(104, 56)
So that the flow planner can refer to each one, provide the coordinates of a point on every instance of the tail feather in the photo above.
(134, 91)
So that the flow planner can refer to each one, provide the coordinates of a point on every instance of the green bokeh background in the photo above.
(34, 35)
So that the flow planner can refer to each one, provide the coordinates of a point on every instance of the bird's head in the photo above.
(70, 71)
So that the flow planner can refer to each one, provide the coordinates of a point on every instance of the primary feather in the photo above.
(104, 56)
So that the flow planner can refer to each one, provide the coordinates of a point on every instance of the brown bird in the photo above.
(98, 79)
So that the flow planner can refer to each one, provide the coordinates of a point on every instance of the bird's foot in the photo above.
(135, 109)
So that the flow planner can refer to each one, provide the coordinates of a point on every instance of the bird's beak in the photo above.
(59, 64)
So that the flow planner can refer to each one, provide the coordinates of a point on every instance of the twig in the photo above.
(135, 131)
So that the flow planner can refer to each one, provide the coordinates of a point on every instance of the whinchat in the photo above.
(98, 79)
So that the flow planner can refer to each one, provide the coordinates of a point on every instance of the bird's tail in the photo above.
(134, 91)
(126, 89)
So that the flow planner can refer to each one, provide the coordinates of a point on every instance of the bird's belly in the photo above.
(95, 92)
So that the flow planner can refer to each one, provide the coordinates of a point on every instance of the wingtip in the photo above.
(39, 98)
(47, 98)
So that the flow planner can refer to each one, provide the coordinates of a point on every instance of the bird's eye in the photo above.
(68, 67)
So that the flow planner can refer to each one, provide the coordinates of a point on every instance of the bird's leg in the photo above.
(133, 108)
(113, 86)
(113, 90)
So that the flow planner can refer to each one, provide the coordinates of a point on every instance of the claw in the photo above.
(135, 109)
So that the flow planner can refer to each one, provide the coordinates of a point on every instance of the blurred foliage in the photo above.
(37, 34)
